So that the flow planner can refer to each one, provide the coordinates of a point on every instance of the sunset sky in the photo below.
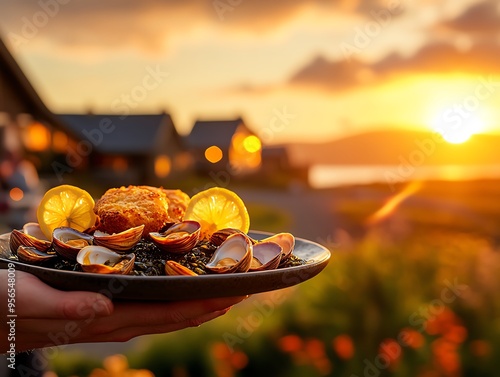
(292, 69)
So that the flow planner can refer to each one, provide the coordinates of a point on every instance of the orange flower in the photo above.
(456, 334)
(315, 350)
(239, 360)
(290, 343)
(343, 346)
(412, 338)
(446, 357)
(391, 350)
(117, 366)
(220, 351)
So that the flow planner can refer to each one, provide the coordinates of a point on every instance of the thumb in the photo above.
(36, 299)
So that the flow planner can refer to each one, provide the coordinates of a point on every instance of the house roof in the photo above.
(131, 134)
(12, 75)
(213, 132)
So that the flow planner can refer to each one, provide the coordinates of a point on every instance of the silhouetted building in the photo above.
(29, 129)
(227, 145)
(131, 149)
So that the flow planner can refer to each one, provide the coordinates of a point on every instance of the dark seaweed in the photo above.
(150, 260)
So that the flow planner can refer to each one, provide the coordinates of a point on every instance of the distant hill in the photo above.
(392, 147)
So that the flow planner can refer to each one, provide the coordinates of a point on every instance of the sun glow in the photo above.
(456, 129)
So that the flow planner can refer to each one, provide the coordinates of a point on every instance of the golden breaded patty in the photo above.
(177, 203)
(122, 208)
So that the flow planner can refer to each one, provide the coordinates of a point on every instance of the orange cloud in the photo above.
(150, 24)
(481, 18)
(442, 58)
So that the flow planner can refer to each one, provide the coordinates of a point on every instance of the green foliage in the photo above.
(441, 289)
(397, 303)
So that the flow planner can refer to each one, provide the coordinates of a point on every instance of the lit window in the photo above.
(119, 164)
(162, 166)
(252, 144)
(37, 137)
(59, 142)
(213, 154)
(245, 153)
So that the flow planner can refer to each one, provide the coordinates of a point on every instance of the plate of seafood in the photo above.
(146, 243)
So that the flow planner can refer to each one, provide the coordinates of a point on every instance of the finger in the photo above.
(125, 334)
(57, 332)
(149, 314)
(38, 300)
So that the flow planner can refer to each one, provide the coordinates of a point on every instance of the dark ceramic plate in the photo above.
(172, 288)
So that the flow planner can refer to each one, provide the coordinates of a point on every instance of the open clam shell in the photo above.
(233, 255)
(31, 255)
(179, 238)
(101, 260)
(219, 236)
(119, 242)
(266, 256)
(68, 241)
(30, 236)
(174, 268)
(286, 241)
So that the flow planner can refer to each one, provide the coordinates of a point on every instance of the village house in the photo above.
(122, 149)
(131, 149)
(28, 128)
(224, 145)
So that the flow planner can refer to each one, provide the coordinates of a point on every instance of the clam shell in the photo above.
(219, 236)
(179, 238)
(32, 255)
(266, 256)
(233, 255)
(122, 241)
(286, 241)
(174, 268)
(68, 241)
(30, 236)
(101, 260)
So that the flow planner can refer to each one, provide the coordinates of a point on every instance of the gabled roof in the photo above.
(12, 75)
(131, 134)
(213, 132)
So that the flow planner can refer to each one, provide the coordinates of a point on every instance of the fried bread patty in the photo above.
(122, 208)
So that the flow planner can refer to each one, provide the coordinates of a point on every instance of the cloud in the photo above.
(443, 58)
(333, 75)
(482, 18)
(150, 25)
(434, 58)
(106, 25)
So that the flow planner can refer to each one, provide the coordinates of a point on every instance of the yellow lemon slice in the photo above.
(217, 208)
(66, 205)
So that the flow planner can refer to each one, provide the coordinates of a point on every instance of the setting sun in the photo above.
(455, 129)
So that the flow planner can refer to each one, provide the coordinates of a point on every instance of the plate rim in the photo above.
(315, 265)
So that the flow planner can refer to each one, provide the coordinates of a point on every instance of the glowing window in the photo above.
(213, 154)
(59, 142)
(119, 164)
(37, 137)
(162, 166)
(252, 144)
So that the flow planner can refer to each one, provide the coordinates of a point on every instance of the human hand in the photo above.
(49, 317)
